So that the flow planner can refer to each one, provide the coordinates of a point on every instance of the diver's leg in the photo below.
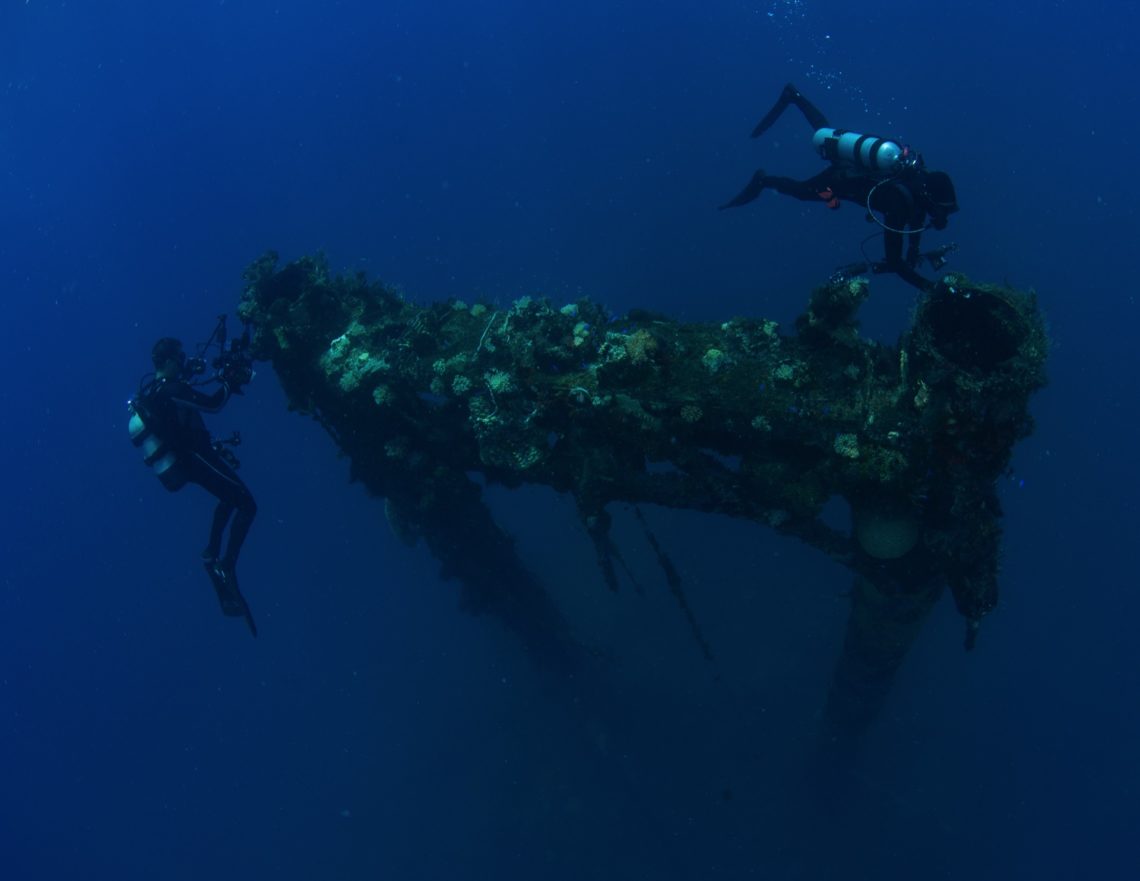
(199, 469)
(791, 95)
(212, 473)
(217, 526)
(811, 190)
(894, 262)
(811, 113)
(207, 469)
(243, 520)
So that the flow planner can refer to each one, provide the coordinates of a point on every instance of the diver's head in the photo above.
(168, 357)
(941, 200)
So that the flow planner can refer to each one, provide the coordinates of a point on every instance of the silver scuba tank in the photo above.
(865, 151)
(155, 452)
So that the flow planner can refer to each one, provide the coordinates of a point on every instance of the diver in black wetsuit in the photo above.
(879, 174)
(166, 424)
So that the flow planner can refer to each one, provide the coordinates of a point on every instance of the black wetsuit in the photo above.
(901, 208)
(902, 199)
(183, 428)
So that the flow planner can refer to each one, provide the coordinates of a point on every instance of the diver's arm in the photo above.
(187, 396)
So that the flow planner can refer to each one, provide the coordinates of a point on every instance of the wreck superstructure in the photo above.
(738, 417)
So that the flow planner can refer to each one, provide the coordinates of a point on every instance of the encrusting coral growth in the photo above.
(738, 418)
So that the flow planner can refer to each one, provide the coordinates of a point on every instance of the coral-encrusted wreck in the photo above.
(737, 418)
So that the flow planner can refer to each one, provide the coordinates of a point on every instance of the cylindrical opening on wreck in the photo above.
(978, 330)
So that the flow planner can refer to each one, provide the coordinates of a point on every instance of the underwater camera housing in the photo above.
(233, 365)
(193, 367)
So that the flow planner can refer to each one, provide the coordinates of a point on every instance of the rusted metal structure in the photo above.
(739, 418)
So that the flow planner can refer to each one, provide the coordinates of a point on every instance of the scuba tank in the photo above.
(145, 429)
(875, 154)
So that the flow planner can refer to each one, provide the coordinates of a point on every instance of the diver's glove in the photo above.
(938, 257)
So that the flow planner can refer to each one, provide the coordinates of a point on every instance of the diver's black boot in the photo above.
(749, 193)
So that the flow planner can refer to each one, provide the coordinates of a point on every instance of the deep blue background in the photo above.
(148, 151)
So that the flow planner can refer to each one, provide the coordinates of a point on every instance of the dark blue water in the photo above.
(149, 151)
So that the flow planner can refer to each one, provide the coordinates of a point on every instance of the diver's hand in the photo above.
(938, 257)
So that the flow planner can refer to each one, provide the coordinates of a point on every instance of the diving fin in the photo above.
(229, 596)
(750, 192)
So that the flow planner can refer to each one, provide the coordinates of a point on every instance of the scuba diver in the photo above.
(879, 174)
(166, 425)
